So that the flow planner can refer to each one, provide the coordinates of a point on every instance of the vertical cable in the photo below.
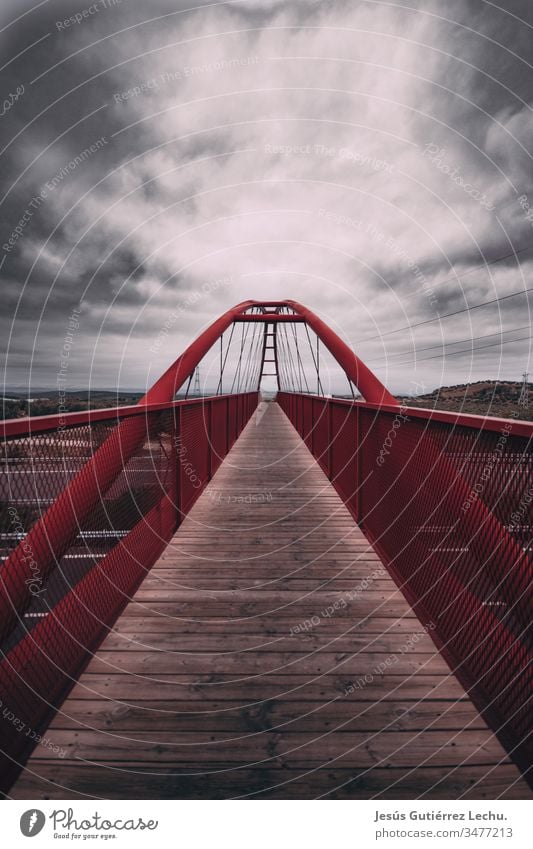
(189, 384)
(301, 366)
(223, 366)
(315, 364)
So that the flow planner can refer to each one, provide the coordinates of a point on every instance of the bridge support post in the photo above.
(359, 516)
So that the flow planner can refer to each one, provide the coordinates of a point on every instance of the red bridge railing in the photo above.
(60, 600)
(447, 502)
(88, 502)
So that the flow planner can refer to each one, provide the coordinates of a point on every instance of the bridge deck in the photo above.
(268, 654)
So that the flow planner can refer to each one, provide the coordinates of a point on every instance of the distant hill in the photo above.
(14, 405)
(484, 398)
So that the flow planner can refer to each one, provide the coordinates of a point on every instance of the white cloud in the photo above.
(283, 147)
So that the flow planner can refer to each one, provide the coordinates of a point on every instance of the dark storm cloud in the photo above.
(332, 152)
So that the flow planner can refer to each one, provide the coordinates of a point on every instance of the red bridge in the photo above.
(224, 596)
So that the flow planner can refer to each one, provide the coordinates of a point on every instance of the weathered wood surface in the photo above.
(269, 655)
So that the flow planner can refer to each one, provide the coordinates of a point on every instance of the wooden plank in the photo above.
(302, 580)
(289, 687)
(252, 662)
(196, 751)
(300, 608)
(279, 626)
(184, 716)
(222, 644)
(79, 781)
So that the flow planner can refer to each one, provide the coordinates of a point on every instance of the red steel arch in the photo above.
(53, 534)
(462, 562)
(360, 375)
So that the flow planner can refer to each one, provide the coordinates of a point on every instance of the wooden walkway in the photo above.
(268, 655)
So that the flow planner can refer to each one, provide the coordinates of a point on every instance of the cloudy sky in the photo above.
(370, 159)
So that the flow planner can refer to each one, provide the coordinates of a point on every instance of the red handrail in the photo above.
(446, 499)
(52, 535)
(32, 425)
(180, 446)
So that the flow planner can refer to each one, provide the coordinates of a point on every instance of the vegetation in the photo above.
(484, 398)
(16, 405)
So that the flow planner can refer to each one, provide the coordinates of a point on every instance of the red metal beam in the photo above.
(39, 670)
(357, 372)
(28, 425)
(520, 427)
(168, 384)
(32, 425)
(270, 317)
(366, 381)
(53, 534)
(420, 490)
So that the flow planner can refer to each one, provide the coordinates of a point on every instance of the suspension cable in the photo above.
(237, 375)
(350, 384)
(189, 383)
(286, 363)
(259, 362)
(282, 365)
(315, 364)
(225, 359)
(250, 368)
(294, 378)
(301, 368)
(245, 372)
(291, 371)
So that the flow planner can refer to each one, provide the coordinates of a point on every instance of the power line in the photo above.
(465, 351)
(447, 315)
(479, 267)
(457, 342)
